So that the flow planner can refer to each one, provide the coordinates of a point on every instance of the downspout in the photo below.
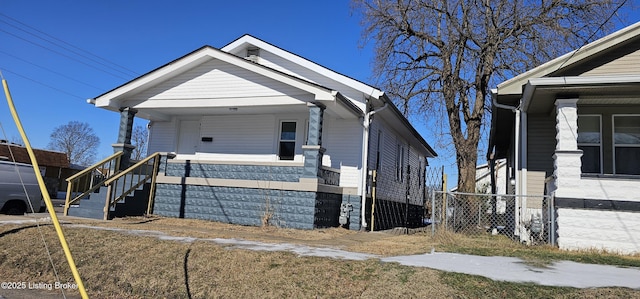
(516, 110)
(365, 159)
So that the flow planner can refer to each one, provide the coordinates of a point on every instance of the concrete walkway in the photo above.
(562, 273)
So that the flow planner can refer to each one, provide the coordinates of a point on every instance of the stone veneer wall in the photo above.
(244, 206)
(249, 206)
(234, 171)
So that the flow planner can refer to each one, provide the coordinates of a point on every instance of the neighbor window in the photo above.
(590, 142)
(626, 144)
(287, 144)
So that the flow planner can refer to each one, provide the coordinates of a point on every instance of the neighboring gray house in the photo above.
(253, 134)
(570, 128)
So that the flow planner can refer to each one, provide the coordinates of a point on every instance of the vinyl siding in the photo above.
(162, 137)
(216, 79)
(623, 59)
(389, 188)
(343, 140)
(239, 135)
(541, 143)
(276, 62)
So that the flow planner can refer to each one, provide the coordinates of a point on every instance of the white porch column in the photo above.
(566, 160)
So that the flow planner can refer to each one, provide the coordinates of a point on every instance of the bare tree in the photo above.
(139, 138)
(440, 57)
(77, 140)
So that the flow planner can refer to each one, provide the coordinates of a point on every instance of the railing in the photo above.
(127, 181)
(331, 176)
(84, 182)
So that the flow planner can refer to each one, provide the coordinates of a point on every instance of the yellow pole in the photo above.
(45, 193)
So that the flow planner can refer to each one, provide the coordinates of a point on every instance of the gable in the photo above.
(292, 64)
(604, 55)
(622, 59)
(216, 79)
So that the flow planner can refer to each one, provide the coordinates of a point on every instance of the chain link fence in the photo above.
(526, 219)
(399, 199)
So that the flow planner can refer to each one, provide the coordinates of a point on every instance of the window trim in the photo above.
(600, 145)
(280, 140)
(613, 139)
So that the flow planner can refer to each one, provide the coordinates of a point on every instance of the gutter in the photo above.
(365, 155)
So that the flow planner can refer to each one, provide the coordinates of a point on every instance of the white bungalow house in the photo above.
(570, 128)
(253, 133)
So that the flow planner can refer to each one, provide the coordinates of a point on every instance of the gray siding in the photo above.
(623, 59)
(541, 143)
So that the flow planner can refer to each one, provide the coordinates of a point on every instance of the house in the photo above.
(54, 166)
(254, 134)
(570, 129)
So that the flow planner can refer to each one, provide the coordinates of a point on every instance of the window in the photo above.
(378, 150)
(590, 142)
(626, 144)
(400, 162)
(287, 144)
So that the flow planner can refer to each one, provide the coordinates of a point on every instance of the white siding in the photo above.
(276, 62)
(343, 140)
(541, 143)
(162, 137)
(389, 187)
(217, 79)
(614, 231)
(238, 135)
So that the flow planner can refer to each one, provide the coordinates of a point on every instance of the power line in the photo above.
(593, 34)
(43, 84)
(52, 71)
(130, 72)
(64, 55)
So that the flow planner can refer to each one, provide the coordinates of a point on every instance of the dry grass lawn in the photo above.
(118, 265)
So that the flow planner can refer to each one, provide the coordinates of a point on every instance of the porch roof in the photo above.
(163, 109)
(539, 96)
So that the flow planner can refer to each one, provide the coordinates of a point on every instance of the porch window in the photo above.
(626, 144)
(590, 142)
(287, 144)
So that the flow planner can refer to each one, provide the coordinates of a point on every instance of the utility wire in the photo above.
(593, 34)
(52, 71)
(64, 55)
(131, 72)
(43, 84)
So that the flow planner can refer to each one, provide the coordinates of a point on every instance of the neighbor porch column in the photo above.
(124, 136)
(566, 159)
(313, 150)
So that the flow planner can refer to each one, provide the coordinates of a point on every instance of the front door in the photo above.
(188, 137)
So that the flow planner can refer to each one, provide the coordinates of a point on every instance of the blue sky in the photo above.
(51, 89)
